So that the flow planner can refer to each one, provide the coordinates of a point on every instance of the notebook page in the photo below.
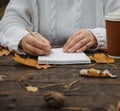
(59, 57)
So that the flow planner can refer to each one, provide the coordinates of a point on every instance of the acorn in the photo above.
(54, 99)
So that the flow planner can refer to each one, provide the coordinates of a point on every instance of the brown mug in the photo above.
(112, 21)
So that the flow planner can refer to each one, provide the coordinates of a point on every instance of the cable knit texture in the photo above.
(52, 19)
(77, 15)
(35, 18)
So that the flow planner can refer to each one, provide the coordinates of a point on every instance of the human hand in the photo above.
(35, 45)
(80, 41)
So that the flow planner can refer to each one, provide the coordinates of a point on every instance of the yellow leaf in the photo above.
(92, 72)
(2, 77)
(30, 62)
(4, 52)
(31, 89)
(101, 58)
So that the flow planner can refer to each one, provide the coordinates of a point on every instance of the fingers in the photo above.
(84, 47)
(39, 43)
(37, 36)
(35, 51)
(79, 45)
(41, 38)
(36, 47)
(73, 39)
(80, 41)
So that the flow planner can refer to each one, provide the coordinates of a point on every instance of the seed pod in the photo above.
(54, 99)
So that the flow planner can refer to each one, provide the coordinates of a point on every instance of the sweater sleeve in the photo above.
(13, 24)
(111, 6)
(100, 35)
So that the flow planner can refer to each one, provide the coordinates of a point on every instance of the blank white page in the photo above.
(59, 57)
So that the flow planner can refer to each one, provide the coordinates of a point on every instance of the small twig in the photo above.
(51, 85)
(75, 109)
(75, 89)
(91, 65)
(113, 65)
(25, 77)
(68, 86)
(75, 75)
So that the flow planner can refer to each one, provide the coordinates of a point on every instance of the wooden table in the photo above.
(86, 94)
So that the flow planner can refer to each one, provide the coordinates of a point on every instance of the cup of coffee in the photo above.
(112, 21)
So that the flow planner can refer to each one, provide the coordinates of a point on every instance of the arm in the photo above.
(97, 38)
(18, 16)
(80, 41)
(100, 33)
(13, 24)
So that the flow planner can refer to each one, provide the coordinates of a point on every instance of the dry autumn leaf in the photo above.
(29, 62)
(96, 73)
(101, 58)
(31, 89)
(4, 52)
(2, 77)
(118, 107)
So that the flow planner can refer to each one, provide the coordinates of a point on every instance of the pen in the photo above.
(34, 35)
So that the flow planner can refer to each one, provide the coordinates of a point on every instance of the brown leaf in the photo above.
(4, 52)
(29, 62)
(32, 89)
(101, 58)
(2, 77)
(96, 73)
(118, 106)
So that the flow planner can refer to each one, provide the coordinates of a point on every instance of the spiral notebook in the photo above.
(59, 57)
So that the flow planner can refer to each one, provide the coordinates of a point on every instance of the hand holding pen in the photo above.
(35, 44)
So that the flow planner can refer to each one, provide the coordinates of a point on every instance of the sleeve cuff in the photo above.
(100, 35)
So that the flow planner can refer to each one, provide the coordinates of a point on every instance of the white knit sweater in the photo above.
(56, 20)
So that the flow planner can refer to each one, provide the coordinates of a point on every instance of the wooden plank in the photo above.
(96, 94)
(55, 75)
(91, 97)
